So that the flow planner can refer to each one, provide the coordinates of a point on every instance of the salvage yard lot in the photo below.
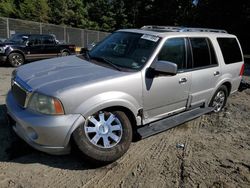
(216, 154)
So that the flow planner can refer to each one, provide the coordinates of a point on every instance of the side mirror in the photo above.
(28, 43)
(165, 68)
(91, 46)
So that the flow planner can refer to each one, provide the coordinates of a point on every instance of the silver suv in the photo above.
(135, 82)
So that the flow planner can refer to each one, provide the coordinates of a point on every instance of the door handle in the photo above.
(182, 80)
(216, 73)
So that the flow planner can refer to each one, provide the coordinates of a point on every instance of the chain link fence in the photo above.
(79, 37)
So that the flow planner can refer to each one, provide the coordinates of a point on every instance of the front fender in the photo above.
(11, 50)
(108, 99)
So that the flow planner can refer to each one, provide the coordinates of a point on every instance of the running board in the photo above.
(170, 122)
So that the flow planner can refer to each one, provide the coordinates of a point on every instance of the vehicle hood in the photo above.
(7, 43)
(54, 75)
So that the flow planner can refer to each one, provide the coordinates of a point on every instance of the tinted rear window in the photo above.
(230, 50)
(200, 48)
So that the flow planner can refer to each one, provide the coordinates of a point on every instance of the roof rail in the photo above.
(161, 28)
(192, 29)
(180, 29)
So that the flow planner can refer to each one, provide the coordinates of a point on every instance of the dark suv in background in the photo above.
(21, 47)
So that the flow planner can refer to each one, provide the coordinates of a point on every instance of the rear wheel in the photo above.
(105, 136)
(64, 53)
(219, 99)
(16, 59)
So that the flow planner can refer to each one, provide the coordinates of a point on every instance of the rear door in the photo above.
(49, 48)
(34, 48)
(206, 71)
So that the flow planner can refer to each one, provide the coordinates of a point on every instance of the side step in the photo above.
(170, 122)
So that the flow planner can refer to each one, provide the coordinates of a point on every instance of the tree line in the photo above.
(109, 15)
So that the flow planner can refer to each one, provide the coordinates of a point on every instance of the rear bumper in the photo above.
(47, 133)
(243, 86)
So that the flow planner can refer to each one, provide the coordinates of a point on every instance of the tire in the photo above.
(94, 140)
(64, 53)
(16, 59)
(219, 99)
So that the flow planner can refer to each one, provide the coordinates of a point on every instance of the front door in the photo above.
(167, 95)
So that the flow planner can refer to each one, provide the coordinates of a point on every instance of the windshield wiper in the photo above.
(105, 60)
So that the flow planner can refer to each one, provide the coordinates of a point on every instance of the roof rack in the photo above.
(180, 29)
(161, 28)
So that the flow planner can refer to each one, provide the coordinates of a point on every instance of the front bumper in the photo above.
(47, 133)
(3, 58)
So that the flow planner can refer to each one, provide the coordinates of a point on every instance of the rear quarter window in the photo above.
(230, 50)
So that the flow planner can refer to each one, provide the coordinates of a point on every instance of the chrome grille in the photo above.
(19, 94)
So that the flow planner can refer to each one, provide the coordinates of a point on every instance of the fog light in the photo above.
(32, 133)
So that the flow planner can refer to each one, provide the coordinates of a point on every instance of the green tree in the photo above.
(69, 12)
(76, 13)
(7, 8)
(36, 10)
(120, 14)
(58, 9)
(101, 13)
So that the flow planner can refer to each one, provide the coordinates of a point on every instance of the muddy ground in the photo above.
(216, 154)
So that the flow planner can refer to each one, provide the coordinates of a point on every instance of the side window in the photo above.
(230, 50)
(200, 50)
(35, 40)
(48, 40)
(174, 50)
(212, 53)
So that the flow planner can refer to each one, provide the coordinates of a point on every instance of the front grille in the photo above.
(19, 94)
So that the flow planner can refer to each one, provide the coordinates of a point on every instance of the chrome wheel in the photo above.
(104, 130)
(17, 60)
(219, 101)
(65, 53)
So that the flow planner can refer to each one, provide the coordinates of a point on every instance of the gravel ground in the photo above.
(216, 153)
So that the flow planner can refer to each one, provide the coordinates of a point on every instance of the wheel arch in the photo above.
(229, 87)
(17, 51)
(65, 50)
(130, 115)
(226, 83)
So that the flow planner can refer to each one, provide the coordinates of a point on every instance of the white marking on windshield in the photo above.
(150, 37)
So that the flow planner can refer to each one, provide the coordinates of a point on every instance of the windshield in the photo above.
(20, 39)
(127, 50)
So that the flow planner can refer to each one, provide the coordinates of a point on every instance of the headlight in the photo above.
(13, 76)
(45, 104)
(2, 50)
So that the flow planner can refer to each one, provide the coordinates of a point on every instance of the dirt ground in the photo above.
(216, 153)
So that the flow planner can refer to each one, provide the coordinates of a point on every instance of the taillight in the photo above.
(242, 70)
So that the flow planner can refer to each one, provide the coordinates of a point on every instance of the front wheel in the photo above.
(105, 136)
(16, 59)
(219, 99)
